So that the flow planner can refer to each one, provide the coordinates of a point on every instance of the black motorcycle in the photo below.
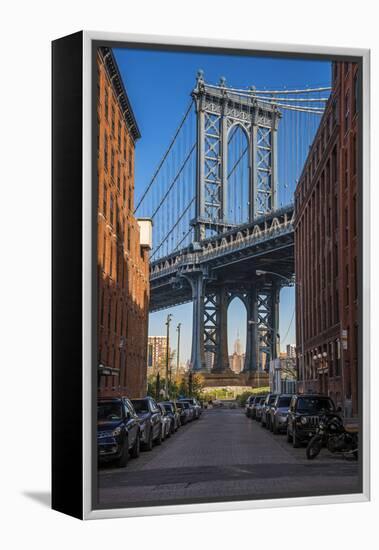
(332, 434)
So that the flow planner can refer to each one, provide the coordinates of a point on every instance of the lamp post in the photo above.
(178, 349)
(168, 321)
(321, 358)
(263, 272)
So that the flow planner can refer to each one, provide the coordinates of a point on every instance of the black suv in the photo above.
(303, 417)
(118, 430)
(150, 421)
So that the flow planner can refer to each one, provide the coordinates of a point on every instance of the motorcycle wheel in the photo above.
(314, 447)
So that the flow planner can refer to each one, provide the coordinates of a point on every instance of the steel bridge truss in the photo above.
(218, 112)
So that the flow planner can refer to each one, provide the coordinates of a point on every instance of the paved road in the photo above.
(224, 454)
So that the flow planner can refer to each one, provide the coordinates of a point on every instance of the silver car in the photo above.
(166, 422)
(258, 408)
(279, 412)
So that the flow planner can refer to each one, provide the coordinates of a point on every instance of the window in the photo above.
(112, 163)
(335, 113)
(130, 198)
(115, 318)
(109, 313)
(111, 259)
(347, 285)
(105, 151)
(346, 162)
(130, 162)
(334, 166)
(104, 250)
(347, 110)
(355, 154)
(106, 102)
(119, 135)
(118, 174)
(356, 93)
(113, 120)
(355, 279)
(102, 308)
(346, 227)
(111, 209)
(128, 238)
(336, 211)
(346, 66)
(336, 308)
(336, 260)
(105, 201)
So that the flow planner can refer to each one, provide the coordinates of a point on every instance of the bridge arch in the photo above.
(237, 171)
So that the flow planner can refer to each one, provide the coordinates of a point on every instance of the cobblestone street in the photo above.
(224, 454)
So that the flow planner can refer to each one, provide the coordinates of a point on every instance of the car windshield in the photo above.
(271, 399)
(140, 405)
(284, 401)
(168, 407)
(179, 405)
(186, 405)
(314, 404)
(109, 411)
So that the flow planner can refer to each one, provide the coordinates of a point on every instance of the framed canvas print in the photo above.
(210, 275)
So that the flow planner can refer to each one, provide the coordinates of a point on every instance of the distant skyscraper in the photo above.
(237, 360)
(291, 351)
(156, 353)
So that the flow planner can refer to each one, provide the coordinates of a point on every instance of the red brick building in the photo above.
(123, 273)
(326, 233)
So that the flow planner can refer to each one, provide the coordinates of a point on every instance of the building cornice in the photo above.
(114, 75)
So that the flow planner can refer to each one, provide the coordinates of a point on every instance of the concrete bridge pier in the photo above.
(197, 281)
(251, 355)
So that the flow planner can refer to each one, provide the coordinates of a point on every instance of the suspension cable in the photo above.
(165, 155)
(174, 180)
(173, 227)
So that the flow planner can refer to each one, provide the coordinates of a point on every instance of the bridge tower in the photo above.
(218, 111)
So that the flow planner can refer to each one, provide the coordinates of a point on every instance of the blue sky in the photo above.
(159, 85)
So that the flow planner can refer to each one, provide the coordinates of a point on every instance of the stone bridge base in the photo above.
(229, 378)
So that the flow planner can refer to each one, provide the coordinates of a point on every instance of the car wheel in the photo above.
(289, 436)
(136, 447)
(172, 427)
(274, 428)
(168, 434)
(123, 460)
(158, 440)
(295, 440)
(149, 444)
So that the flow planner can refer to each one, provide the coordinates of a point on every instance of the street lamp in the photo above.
(259, 272)
(178, 348)
(168, 321)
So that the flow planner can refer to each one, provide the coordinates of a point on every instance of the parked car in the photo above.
(173, 414)
(118, 430)
(257, 399)
(265, 416)
(304, 414)
(249, 402)
(150, 422)
(166, 422)
(279, 412)
(184, 412)
(258, 408)
(195, 404)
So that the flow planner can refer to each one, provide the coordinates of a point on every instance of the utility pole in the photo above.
(168, 321)
(178, 349)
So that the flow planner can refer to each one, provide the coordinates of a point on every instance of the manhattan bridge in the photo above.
(221, 202)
